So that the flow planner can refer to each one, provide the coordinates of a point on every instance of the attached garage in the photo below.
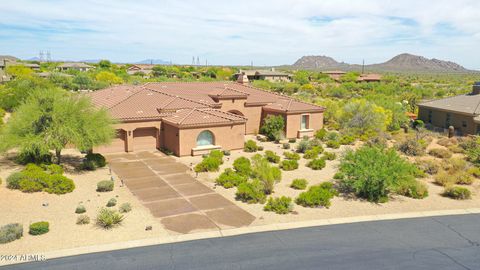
(145, 139)
(117, 145)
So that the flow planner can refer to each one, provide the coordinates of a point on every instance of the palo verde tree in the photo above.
(51, 119)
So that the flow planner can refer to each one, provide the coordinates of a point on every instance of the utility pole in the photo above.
(363, 66)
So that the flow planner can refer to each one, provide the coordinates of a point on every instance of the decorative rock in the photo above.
(45, 204)
(283, 141)
(148, 228)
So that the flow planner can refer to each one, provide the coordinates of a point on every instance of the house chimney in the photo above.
(476, 88)
(242, 78)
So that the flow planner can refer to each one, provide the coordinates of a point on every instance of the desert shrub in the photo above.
(226, 152)
(98, 160)
(292, 140)
(456, 165)
(456, 149)
(317, 196)
(373, 172)
(313, 152)
(250, 146)
(260, 148)
(38, 228)
(475, 171)
(243, 166)
(289, 165)
(59, 184)
(428, 166)
(303, 146)
(272, 157)
(112, 202)
(251, 192)
(229, 178)
(125, 208)
(411, 147)
(13, 181)
(320, 134)
(447, 178)
(332, 136)
(299, 183)
(316, 164)
(281, 205)
(208, 164)
(338, 175)
(217, 154)
(443, 178)
(463, 178)
(291, 155)
(273, 127)
(346, 139)
(80, 209)
(87, 165)
(265, 173)
(329, 156)
(83, 219)
(457, 193)
(286, 146)
(105, 186)
(53, 169)
(440, 153)
(333, 144)
(1, 180)
(444, 142)
(10, 232)
(415, 189)
(108, 218)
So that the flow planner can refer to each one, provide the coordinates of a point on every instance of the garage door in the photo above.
(117, 145)
(144, 139)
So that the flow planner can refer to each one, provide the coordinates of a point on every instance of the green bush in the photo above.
(34, 179)
(53, 169)
(105, 186)
(226, 152)
(83, 219)
(230, 178)
(38, 228)
(87, 165)
(208, 164)
(59, 184)
(416, 190)
(125, 207)
(286, 146)
(313, 152)
(440, 153)
(266, 173)
(250, 146)
(251, 192)
(475, 171)
(273, 127)
(346, 140)
(303, 146)
(98, 160)
(243, 166)
(289, 165)
(216, 154)
(411, 147)
(316, 164)
(291, 155)
(329, 156)
(80, 209)
(112, 202)
(282, 205)
(445, 178)
(373, 172)
(317, 196)
(321, 134)
(13, 181)
(272, 157)
(108, 218)
(299, 183)
(333, 144)
(260, 148)
(292, 140)
(10, 232)
(428, 166)
(457, 193)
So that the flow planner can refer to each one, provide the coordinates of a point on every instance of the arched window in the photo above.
(205, 138)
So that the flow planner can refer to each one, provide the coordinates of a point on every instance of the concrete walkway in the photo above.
(182, 203)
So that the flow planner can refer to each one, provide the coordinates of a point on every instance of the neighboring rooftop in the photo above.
(468, 104)
(74, 65)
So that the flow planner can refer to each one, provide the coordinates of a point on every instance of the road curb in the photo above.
(239, 231)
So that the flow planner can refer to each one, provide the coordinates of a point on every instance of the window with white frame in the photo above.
(304, 124)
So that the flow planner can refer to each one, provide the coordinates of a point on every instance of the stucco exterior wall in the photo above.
(252, 113)
(439, 118)
(228, 137)
(169, 138)
(293, 124)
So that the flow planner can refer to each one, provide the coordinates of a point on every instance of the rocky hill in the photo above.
(401, 63)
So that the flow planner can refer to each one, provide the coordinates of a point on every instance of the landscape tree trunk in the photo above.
(58, 154)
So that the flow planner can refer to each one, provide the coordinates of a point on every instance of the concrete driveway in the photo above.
(182, 203)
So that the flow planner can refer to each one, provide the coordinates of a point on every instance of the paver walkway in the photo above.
(182, 203)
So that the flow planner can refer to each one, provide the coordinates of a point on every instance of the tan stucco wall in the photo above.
(439, 118)
(129, 127)
(293, 123)
(252, 113)
(228, 137)
(169, 138)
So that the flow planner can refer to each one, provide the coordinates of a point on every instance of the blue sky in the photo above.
(269, 32)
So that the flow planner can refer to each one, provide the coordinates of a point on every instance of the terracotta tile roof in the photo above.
(369, 77)
(157, 100)
(201, 117)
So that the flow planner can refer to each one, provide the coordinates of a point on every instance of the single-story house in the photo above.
(74, 66)
(371, 77)
(462, 112)
(335, 74)
(192, 118)
(268, 75)
(140, 68)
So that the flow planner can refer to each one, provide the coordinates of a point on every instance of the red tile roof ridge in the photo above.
(187, 115)
(123, 100)
(222, 112)
(175, 96)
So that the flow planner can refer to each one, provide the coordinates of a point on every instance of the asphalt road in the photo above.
(448, 242)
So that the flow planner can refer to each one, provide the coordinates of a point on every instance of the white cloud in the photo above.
(267, 32)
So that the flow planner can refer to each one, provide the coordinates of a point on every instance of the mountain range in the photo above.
(401, 63)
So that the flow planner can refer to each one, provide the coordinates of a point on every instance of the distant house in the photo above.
(334, 74)
(35, 67)
(462, 112)
(268, 75)
(369, 78)
(145, 69)
(74, 66)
